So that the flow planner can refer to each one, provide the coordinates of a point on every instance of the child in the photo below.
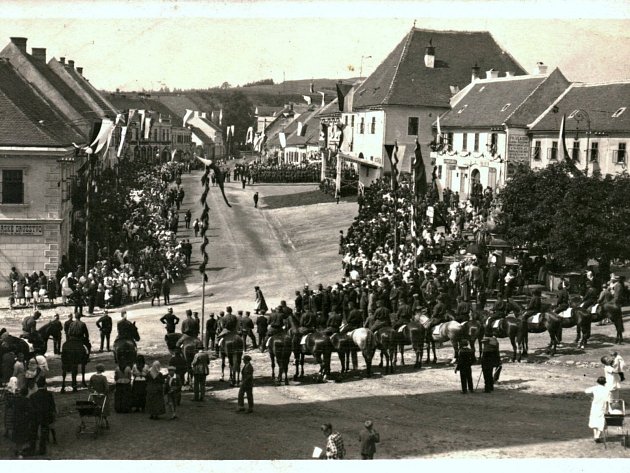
(172, 391)
(618, 365)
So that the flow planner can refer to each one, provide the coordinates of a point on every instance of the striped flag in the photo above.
(392, 154)
(307, 99)
(419, 173)
(564, 153)
(250, 135)
(283, 140)
(187, 116)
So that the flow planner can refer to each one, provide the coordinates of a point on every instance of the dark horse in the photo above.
(344, 346)
(387, 340)
(317, 344)
(73, 354)
(45, 332)
(280, 348)
(189, 347)
(610, 311)
(9, 343)
(125, 350)
(513, 327)
(544, 322)
(412, 333)
(232, 348)
(581, 319)
(365, 341)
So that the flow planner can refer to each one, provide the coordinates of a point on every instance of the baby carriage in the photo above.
(615, 416)
(91, 414)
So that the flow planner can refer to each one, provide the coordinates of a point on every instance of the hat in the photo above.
(188, 311)
(368, 424)
(170, 309)
(100, 368)
(171, 367)
(195, 313)
(240, 312)
(247, 358)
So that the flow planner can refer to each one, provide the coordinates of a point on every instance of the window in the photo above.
(352, 121)
(476, 148)
(594, 151)
(575, 151)
(618, 112)
(464, 141)
(536, 151)
(619, 155)
(345, 120)
(373, 126)
(449, 140)
(552, 153)
(505, 107)
(12, 186)
(362, 126)
(412, 126)
(492, 145)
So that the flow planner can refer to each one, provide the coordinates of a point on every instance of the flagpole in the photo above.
(87, 208)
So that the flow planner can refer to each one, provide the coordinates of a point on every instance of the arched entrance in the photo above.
(166, 155)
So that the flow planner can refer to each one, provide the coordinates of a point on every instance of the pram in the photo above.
(614, 417)
(91, 414)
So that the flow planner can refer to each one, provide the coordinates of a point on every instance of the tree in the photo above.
(237, 111)
(226, 85)
(573, 219)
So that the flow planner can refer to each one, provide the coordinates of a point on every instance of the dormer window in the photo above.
(573, 113)
(463, 108)
(505, 107)
(619, 112)
(483, 87)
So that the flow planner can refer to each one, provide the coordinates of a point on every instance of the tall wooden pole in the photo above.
(87, 211)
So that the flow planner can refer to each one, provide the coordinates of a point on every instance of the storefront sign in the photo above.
(18, 229)
(518, 149)
(450, 161)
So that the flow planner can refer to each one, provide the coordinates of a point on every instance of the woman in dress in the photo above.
(261, 305)
(155, 391)
(100, 385)
(139, 387)
(613, 380)
(601, 396)
(122, 400)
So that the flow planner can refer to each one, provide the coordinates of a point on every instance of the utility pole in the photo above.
(88, 186)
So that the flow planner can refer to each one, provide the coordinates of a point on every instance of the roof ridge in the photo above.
(526, 98)
(403, 54)
(505, 51)
(553, 104)
(598, 84)
(428, 30)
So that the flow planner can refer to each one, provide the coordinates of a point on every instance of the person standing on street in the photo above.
(187, 218)
(490, 359)
(166, 290)
(335, 449)
(211, 331)
(56, 327)
(261, 305)
(247, 326)
(200, 367)
(368, 438)
(601, 396)
(261, 327)
(66, 325)
(105, 324)
(247, 386)
(256, 200)
(170, 320)
(465, 360)
(196, 227)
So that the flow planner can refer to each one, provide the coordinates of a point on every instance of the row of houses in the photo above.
(50, 115)
(476, 112)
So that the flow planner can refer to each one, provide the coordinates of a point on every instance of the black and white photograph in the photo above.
(314, 230)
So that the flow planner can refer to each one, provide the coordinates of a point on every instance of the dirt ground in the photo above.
(538, 409)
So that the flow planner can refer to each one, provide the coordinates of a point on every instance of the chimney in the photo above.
(20, 43)
(540, 69)
(80, 70)
(39, 54)
(62, 60)
(71, 63)
(454, 89)
(203, 115)
(429, 55)
(509, 74)
(475, 73)
(492, 74)
(196, 113)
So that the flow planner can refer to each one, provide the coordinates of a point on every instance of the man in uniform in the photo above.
(188, 325)
(590, 296)
(490, 359)
(463, 310)
(104, 324)
(298, 303)
(79, 331)
(353, 321)
(200, 368)
(500, 311)
(403, 314)
(535, 304)
(55, 325)
(381, 316)
(211, 331)
(247, 326)
(465, 360)
(261, 327)
(438, 315)
(170, 320)
(563, 299)
(125, 328)
(29, 324)
(333, 324)
(66, 324)
(230, 324)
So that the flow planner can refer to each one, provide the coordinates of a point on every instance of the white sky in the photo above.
(186, 44)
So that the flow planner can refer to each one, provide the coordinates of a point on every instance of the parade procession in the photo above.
(424, 257)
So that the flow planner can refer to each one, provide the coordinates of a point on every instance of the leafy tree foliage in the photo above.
(237, 111)
(571, 218)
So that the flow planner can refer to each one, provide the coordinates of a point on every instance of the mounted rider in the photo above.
(79, 331)
(333, 324)
(381, 317)
(535, 304)
(500, 311)
(563, 299)
(403, 314)
(126, 330)
(230, 324)
(190, 329)
(276, 325)
(29, 325)
(590, 296)
(308, 322)
(438, 316)
(354, 319)
(463, 310)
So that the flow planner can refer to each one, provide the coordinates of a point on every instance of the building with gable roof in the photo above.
(36, 170)
(597, 128)
(401, 99)
(485, 134)
(207, 134)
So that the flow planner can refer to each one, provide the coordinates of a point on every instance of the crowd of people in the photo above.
(278, 173)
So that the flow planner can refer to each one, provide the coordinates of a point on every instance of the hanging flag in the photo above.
(307, 99)
(323, 94)
(340, 127)
(141, 115)
(256, 111)
(147, 127)
(338, 176)
(118, 118)
(312, 88)
(283, 140)
(439, 129)
(299, 129)
(250, 135)
(123, 134)
(221, 117)
(104, 134)
(323, 135)
(228, 132)
(187, 116)
(109, 138)
(392, 154)
(173, 153)
(437, 184)
(419, 173)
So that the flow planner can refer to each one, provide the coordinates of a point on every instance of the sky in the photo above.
(134, 45)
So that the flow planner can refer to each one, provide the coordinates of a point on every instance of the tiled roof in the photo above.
(600, 101)
(134, 101)
(267, 111)
(490, 102)
(25, 118)
(403, 79)
(92, 92)
(202, 135)
(311, 134)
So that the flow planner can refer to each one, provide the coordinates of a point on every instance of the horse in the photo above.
(512, 327)
(473, 331)
(387, 340)
(48, 330)
(73, 354)
(580, 318)
(125, 350)
(189, 347)
(412, 333)
(280, 348)
(345, 348)
(543, 322)
(610, 311)
(317, 344)
(365, 341)
(450, 330)
(232, 348)
(10, 343)
(171, 340)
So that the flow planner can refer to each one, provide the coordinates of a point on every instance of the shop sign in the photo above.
(19, 229)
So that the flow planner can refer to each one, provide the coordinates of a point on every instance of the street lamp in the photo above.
(361, 70)
(580, 115)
